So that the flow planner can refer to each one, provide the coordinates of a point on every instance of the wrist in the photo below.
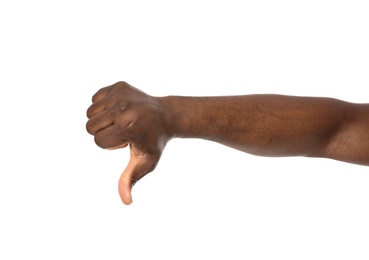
(185, 116)
(169, 105)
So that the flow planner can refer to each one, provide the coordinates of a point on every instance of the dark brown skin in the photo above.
(265, 125)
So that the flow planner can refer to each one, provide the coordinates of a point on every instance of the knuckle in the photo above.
(119, 111)
(121, 83)
(120, 106)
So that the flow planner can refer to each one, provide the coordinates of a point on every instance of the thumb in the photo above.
(138, 166)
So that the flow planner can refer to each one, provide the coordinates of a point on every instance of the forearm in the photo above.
(267, 125)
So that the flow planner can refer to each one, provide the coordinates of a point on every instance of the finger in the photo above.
(95, 108)
(110, 138)
(100, 94)
(125, 183)
(138, 166)
(99, 122)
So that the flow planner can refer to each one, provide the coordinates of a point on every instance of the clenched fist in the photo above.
(122, 115)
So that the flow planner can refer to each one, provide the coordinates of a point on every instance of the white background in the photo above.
(58, 190)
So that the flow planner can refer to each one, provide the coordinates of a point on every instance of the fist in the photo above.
(121, 116)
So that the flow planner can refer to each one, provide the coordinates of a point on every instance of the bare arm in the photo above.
(266, 125)
(276, 125)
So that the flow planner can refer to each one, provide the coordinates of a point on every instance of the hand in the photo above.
(122, 115)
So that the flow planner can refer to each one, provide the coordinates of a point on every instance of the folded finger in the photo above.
(95, 108)
(99, 122)
(110, 138)
(100, 94)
